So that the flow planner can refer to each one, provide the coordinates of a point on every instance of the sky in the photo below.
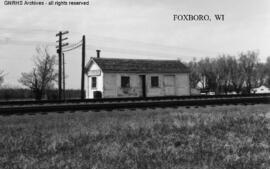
(139, 29)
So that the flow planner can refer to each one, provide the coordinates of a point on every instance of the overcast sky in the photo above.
(132, 29)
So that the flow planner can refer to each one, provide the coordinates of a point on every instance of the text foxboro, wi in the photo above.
(47, 3)
(200, 17)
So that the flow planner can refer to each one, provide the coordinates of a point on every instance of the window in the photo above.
(125, 82)
(94, 82)
(154, 81)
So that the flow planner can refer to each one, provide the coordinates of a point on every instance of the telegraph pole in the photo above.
(64, 78)
(83, 64)
(59, 51)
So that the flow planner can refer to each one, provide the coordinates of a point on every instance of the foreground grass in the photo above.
(212, 137)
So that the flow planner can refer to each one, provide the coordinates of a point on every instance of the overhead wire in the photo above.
(140, 52)
(108, 39)
(146, 44)
(73, 45)
(106, 48)
(150, 48)
(9, 41)
(147, 52)
(66, 50)
(30, 31)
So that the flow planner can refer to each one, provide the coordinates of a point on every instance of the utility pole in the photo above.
(60, 67)
(83, 64)
(64, 78)
(59, 51)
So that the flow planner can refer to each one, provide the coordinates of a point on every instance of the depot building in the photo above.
(115, 77)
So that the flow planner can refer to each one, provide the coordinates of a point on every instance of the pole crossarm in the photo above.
(62, 39)
(62, 33)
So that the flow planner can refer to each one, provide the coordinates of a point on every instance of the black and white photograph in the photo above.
(125, 84)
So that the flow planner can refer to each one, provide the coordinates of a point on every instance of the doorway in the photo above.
(169, 85)
(143, 85)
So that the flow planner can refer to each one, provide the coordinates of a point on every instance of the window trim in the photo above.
(158, 85)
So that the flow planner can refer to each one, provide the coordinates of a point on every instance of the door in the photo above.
(169, 85)
(143, 85)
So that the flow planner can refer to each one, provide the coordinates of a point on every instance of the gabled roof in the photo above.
(115, 65)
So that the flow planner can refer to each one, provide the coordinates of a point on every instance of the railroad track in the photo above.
(132, 99)
(18, 107)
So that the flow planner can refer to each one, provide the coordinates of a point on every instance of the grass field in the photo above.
(233, 137)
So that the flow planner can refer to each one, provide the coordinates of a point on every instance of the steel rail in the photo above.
(136, 104)
(103, 100)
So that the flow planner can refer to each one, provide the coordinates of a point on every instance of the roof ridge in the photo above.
(138, 59)
(140, 65)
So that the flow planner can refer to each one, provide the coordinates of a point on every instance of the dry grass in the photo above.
(212, 137)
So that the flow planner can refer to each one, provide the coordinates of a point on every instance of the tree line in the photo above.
(228, 73)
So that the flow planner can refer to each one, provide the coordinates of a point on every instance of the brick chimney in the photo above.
(98, 53)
